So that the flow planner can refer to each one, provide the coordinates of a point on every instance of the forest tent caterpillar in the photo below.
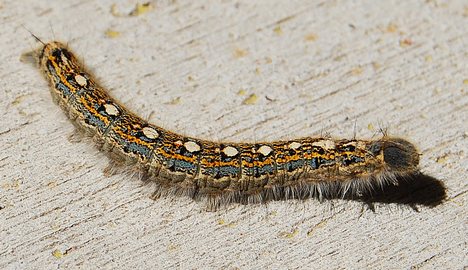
(221, 172)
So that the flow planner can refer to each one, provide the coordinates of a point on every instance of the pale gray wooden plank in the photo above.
(314, 66)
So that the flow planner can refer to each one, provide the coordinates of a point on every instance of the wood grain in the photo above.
(335, 67)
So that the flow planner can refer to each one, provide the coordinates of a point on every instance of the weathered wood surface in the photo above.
(191, 66)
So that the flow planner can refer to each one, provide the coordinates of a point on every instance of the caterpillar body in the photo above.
(220, 172)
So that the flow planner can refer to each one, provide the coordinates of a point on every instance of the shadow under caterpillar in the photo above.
(222, 172)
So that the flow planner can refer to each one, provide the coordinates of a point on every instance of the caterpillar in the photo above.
(220, 172)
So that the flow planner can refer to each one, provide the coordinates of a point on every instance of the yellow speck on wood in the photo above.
(252, 99)
(465, 81)
(52, 184)
(376, 65)
(222, 222)
(370, 127)
(257, 71)
(338, 58)
(57, 254)
(15, 184)
(239, 53)
(289, 235)
(19, 99)
(112, 33)
(175, 101)
(311, 37)
(278, 30)
(16, 101)
(318, 226)
(406, 42)
(141, 9)
(242, 92)
(391, 28)
(172, 247)
(231, 225)
(111, 224)
(54, 226)
(442, 159)
(114, 11)
(356, 71)
(428, 58)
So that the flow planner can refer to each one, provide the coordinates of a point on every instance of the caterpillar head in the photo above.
(400, 155)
